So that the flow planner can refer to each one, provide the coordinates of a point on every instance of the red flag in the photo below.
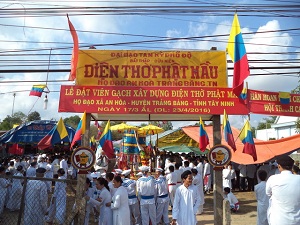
(74, 59)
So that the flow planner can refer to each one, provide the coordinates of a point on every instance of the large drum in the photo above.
(130, 143)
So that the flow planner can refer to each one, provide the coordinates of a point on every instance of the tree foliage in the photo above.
(266, 123)
(33, 116)
(9, 121)
(72, 121)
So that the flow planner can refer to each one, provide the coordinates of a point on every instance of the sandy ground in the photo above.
(245, 216)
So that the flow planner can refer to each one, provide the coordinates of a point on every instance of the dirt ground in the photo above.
(246, 215)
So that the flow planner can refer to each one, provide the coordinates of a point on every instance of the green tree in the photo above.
(298, 125)
(33, 116)
(10, 121)
(72, 121)
(116, 135)
(266, 123)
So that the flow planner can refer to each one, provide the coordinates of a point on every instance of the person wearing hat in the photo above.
(139, 174)
(118, 172)
(134, 206)
(162, 199)
(35, 204)
(283, 190)
(14, 201)
(146, 192)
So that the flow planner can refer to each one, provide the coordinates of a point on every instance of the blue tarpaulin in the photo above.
(33, 132)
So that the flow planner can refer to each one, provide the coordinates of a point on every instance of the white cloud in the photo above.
(125, 24)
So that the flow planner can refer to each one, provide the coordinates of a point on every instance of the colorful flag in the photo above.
(93, 143)
(243, 94)
(228, 136)
(55, 135)
(284, 97)
(37, 90)
(74, 59)
(237, 52)
(106, 141)
(203, 139)
(99, 130)
(247, 139)
(80, 129)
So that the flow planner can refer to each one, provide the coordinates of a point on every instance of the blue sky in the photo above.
(23, 28)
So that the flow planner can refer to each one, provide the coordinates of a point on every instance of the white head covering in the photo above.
(126, 172)
(144, 168)
(118, 171)
(159, 169)
(139, 174)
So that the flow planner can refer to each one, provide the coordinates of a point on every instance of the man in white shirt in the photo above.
(243, 176)
(206, 176)
(200, 167)
(146, 192)
(262, 198)
(284, 193)
(172, 183)
(187, 201)
(31, 171)
(64, 164)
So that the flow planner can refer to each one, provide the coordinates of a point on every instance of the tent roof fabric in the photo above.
(33, 132)
(265, 150)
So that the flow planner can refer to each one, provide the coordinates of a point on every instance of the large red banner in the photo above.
(150, 100)
(263, 102)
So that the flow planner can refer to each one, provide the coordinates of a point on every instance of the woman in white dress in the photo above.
(119, 204)
(14, 201)
(105, 217)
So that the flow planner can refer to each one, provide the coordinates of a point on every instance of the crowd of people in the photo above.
(177, 184)
(41, 166)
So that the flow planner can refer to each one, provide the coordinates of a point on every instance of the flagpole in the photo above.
(247, 100)
(240, 132)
